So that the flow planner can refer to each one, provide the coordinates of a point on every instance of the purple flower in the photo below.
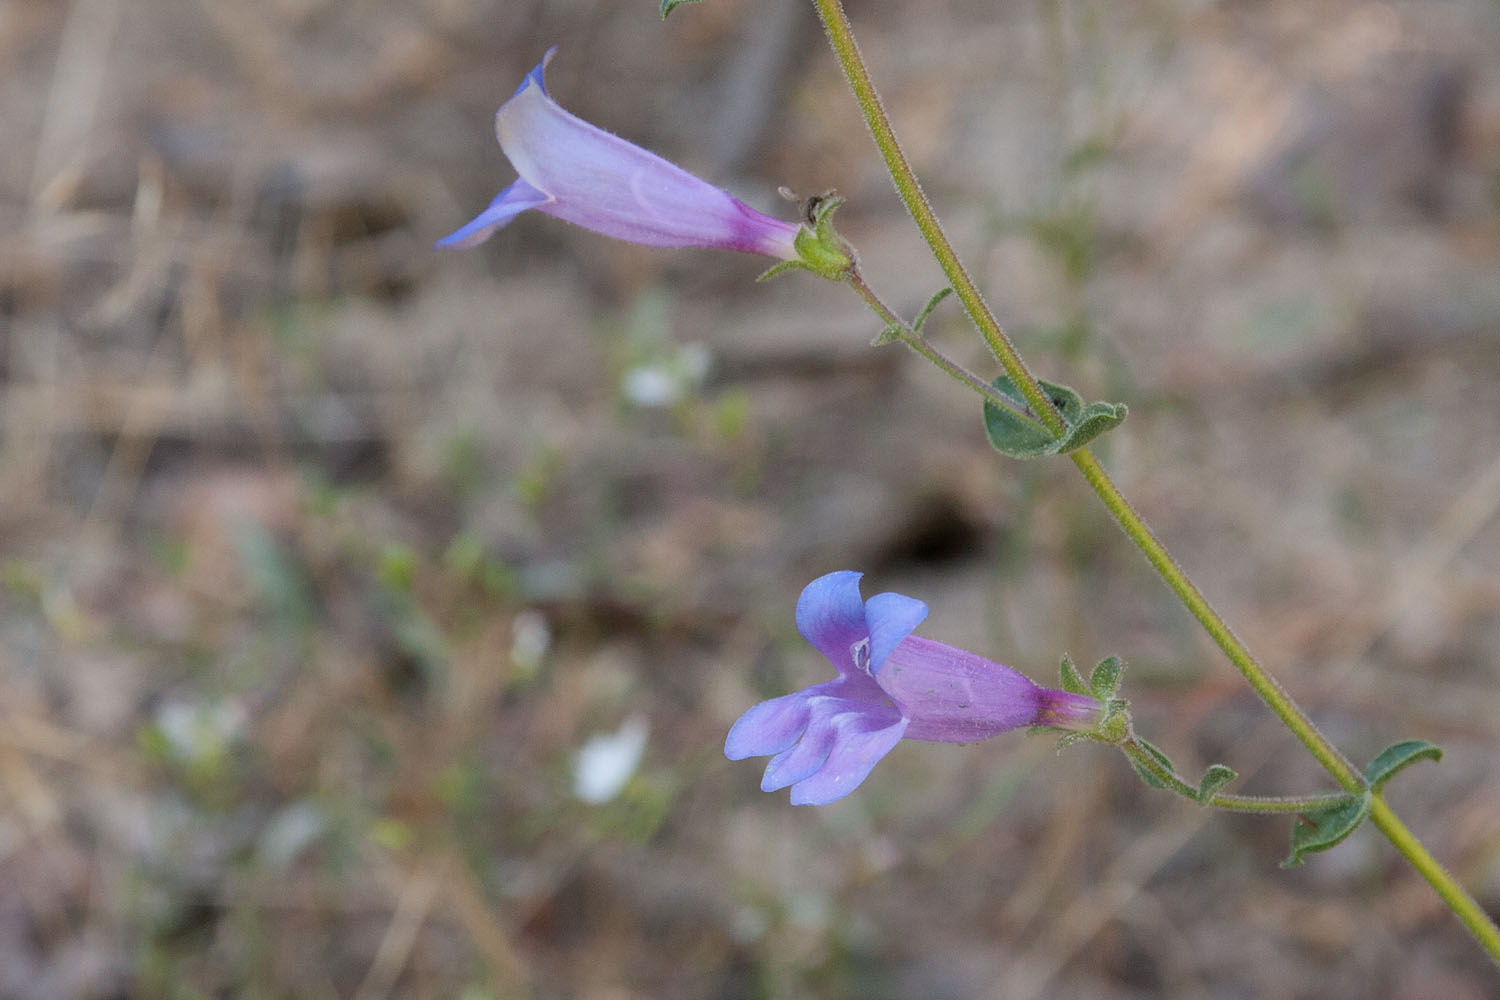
(585, 175)
(891, 684)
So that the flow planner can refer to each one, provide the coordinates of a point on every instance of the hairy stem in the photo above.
(1270, 691)
(919, 343)
(1222, 800)
(1474, 917)
(841, 37)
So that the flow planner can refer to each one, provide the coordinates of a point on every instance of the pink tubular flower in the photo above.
(891, 685)
(592, 178)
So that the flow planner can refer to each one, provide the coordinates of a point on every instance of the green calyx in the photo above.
(820, 249)
(1114, 725)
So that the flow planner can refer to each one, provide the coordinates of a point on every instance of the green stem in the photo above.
(919, 343)
(1270, 691)
(1264, 804)
(1479, 923)
(841, 36)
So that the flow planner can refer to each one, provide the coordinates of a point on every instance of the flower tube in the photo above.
(584, 175)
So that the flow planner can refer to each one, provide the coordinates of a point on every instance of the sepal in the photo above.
(1326, 828)
(1068, 739)
(1115, 725)
(1012, 432)
(1072, 680)
(1105, 679)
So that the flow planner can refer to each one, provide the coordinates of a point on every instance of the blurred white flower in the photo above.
(530, 638)
(651, 386)
(196, 732)
(664, 381)
(608, 760)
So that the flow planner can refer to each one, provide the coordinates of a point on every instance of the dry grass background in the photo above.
(288, 498)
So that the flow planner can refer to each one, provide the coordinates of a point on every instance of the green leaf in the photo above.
(1396, 757)
(1322, 829)
(1105, 680)
(932, 304)
(1095, 420)
(1072, 680)
(889, 335)
(1015, 432)
(1161, 759)
(667, 5)
(1213, 781)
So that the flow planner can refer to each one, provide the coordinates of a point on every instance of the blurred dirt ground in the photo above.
(324, 554)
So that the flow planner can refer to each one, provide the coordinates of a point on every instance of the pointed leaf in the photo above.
(889, 335)
(1161, 759)
(932, 304)
(1325, 828)
(667, 5)
(1214, 780)
(1095, 420)
(1105, 680)
(1396, 757)
(1072, 680)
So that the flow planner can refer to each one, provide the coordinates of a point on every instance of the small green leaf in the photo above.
(1161, 759)
(932, 304)
(1015, 432)
(667, 5)
(1325, 828)
(1214, 780)
(889, 335)
(1098, 418)
(1072, 680)
(1105, 680)
(1011, 431)
(1396, 757)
